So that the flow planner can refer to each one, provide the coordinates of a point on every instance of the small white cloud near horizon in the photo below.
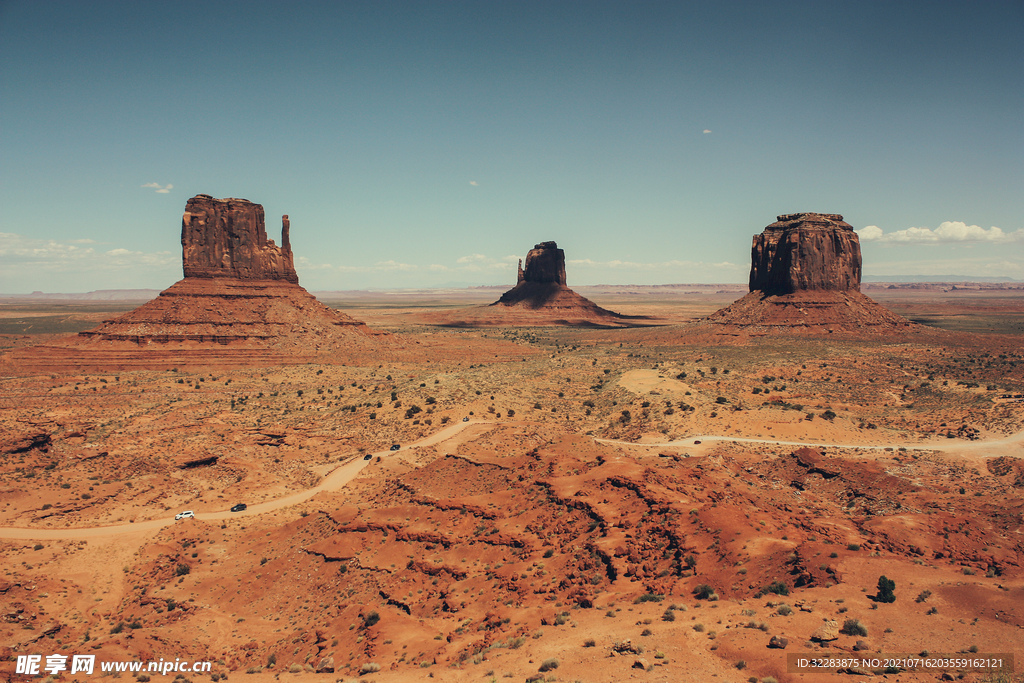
(632, 265)
(160, 189)
(706, 131)
(471, 258)
(474, 183)
(948, 232)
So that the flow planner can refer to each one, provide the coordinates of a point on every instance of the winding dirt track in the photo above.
(341, 476)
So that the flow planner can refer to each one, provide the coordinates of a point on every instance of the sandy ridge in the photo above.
(341, 476)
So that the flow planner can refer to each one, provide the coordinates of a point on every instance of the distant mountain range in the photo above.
(147, 294)
(936, 278)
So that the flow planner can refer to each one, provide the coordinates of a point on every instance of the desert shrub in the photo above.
(37, 546)
(182, 570)
(742, 664)
(705, 592)
(271, 661)
(142, 678)
(828, 415)
(721, 400)
(647, 632)
(118, 628)
(669, 615)
(923, 595)
(561, 619)
(933, 610)
(776, 587)
(295, 668)
(370, 619)
(885, 590)
(649, 597)
(369, 668)
(699, 628)
(853, 546)
(589, 642)
(549, 553)
(853, 627)
(785, 610)
(548, 664)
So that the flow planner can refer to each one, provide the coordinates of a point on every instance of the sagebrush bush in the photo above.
(549, 664)
(853, 627)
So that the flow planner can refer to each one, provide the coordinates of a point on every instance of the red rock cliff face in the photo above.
(227, 238)
(545, 263)
(805, 252)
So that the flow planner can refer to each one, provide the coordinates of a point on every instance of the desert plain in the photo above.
(658, 502)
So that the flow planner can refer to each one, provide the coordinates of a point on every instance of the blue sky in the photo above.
(421, 144)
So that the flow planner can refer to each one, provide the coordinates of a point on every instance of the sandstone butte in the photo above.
(238, 305)
(805, 272)
(541, 297)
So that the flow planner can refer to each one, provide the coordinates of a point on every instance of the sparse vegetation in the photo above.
(853, 627)
(886, 588)
(705, 592)
(549, 664)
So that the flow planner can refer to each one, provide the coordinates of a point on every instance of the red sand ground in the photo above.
(533, 533)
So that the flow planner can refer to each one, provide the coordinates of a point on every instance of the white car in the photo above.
(184, 515)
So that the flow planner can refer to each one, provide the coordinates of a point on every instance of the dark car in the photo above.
(696, 442)
(465, 419)
(395, 447)
(368, 456)
(239, 507)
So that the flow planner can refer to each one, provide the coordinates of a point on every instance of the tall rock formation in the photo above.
(545, 263)
(806, 251)
(805, 276)
(541, 296)
(542, 280)
(228, 238)
(239, 304)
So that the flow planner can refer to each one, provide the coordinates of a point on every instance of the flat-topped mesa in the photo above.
(806, 252)
(227, 238)
(544, 263)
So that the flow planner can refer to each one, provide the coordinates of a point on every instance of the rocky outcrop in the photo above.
(805, 277)
(239, 305)
(227, 238)
(542, 295)
(545, 263)
(806, 252)
(829, 630)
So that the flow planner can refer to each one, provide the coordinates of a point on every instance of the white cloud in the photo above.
(305, 264)
(947, 233)
(471, 258)
(869, 233)
(474, 183)
(32, 263)
(1001, 266)
(380, 265)
(633, 265)
(160, 189)
(706, 131)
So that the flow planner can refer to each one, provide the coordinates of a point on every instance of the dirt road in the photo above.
(341, 476)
